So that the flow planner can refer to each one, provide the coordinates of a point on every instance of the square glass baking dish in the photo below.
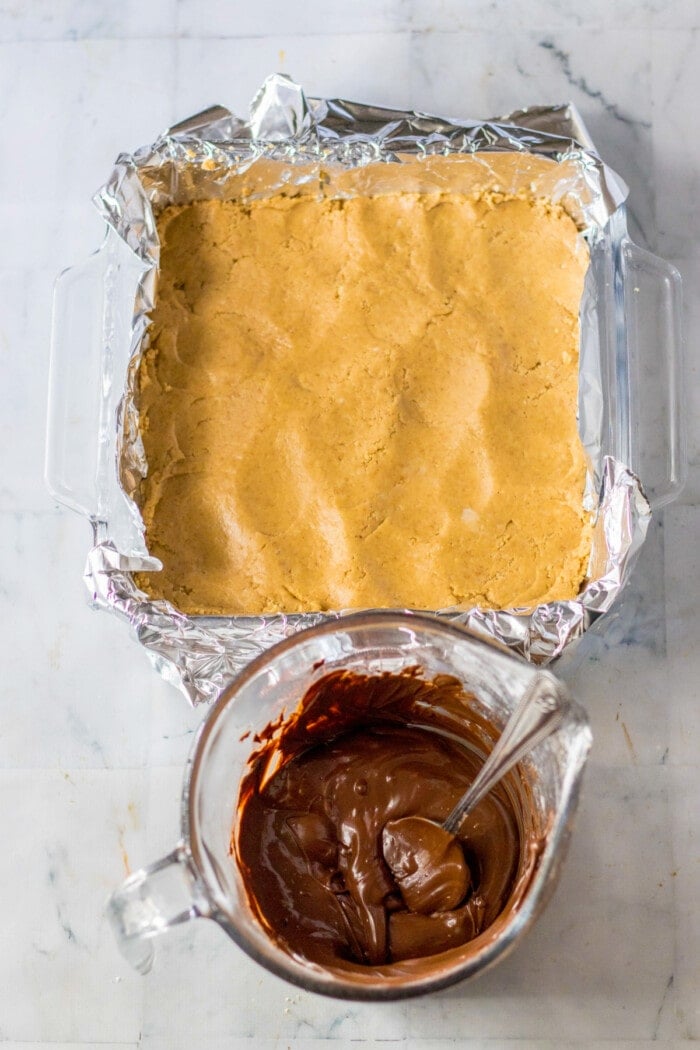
(630, 340)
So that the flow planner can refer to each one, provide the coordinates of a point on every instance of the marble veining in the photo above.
(581, 84)
(93, 742)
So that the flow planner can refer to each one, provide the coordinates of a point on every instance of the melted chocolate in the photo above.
(322, 837)
(427, 863)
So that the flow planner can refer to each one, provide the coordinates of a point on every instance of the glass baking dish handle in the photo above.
(652, 296)
(75, 384)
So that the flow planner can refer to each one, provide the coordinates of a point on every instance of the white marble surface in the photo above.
(92, 742)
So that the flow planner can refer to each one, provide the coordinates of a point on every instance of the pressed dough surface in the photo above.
(364, 402)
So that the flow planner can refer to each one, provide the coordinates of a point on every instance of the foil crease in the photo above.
(217, 155)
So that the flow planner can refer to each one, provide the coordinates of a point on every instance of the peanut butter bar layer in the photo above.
(364, 402)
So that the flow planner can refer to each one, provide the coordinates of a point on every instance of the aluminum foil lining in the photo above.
(217, 155)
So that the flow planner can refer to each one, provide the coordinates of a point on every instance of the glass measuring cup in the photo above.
(199, 878)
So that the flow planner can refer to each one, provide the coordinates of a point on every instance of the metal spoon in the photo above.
(539, 713)
(421, 852)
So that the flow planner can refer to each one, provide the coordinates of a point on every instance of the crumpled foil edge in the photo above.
(200, 655)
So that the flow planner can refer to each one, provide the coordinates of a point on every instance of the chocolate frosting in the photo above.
(335, 865)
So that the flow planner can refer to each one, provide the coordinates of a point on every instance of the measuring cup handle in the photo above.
(152, 900)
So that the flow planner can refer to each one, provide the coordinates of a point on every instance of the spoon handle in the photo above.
(539, 713)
